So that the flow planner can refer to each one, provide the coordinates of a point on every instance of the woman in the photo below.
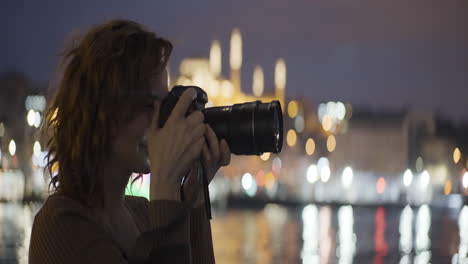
(101, 126)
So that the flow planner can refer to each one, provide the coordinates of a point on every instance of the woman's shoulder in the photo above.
(57, 204)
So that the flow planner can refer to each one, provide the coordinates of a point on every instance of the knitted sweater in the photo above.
(64, 231)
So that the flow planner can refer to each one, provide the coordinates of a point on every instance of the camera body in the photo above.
(250, 128)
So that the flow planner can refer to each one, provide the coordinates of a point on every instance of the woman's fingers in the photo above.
(185, 100)
(206, 153)
(194, 119)
(213, 143)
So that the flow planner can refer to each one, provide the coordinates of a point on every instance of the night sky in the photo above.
(379, 53)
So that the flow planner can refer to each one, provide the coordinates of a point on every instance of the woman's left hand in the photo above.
(215, 153)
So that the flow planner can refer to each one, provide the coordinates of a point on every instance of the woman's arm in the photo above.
(200, 236)
(64, 232)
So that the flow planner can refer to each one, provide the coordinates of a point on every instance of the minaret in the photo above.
(280, 81)
(258, 81)
(235, 60)
(215, 58)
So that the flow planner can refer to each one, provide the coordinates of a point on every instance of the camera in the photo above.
(250, 128)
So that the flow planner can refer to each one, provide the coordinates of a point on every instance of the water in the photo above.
(308, 234)
(341, 234)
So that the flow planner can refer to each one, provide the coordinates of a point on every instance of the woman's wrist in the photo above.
(161, 191)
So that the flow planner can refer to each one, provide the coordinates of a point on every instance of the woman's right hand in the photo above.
(173, 148)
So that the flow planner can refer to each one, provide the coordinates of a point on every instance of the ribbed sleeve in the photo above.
(200, 237)
(171, 232)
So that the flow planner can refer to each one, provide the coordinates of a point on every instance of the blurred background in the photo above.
(374, 93)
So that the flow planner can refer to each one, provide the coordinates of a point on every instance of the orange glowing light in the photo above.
(310, 146)
(260, 178)
(331, 143)
(448, 187)
(269, 180)
(327, 123)
(381, 185)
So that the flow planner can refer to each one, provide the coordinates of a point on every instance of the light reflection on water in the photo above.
(346, 234)
(308, 235)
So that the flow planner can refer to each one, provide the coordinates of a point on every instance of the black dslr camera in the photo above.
(249, 128)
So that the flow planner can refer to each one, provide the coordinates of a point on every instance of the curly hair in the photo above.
(111, 60)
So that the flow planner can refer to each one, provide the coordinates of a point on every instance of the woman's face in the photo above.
(130, 147)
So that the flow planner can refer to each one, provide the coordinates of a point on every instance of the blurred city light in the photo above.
(291, 138)
(249, 185)
(260, 178)
(463, 226)
(280, 74)
(258, 81)
(312, 173)
(37, 148)
(331, 143)
(346, 235)
(324, 169)
(381, 184)
(31, 117)
(310, 234)
(293, 109)
(2, 129)
(310, 146)
(465, 180)
(269, 180)
(347, 177)
(406, 230)
(265, 156)
(425, 179)
(37, 119)
(215, 58)
(35, 102)
(227, 90)
(407, 178)
(448, 187)
(340, 110)
(235, 56)
(456, 155)
(299, 123)
(327, 123)
(423, 226)
(276, 166)
(12, 147)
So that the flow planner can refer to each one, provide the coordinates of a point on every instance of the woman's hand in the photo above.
(215, 154)
(173, 148)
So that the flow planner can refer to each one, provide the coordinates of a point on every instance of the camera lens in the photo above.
(249, 128)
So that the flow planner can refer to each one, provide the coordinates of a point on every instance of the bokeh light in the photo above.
(258, 81)
(347, 177)
(280, 74)
(327, 123)
(381, 184)
(310, 146)
(331, 143)
(12, 147)
(31, 117)
(293, 109)
(419, 164)
(407, 178)
(448, 187)
(312, 173)
(456, 155)
(291, 138)
(265, 156)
